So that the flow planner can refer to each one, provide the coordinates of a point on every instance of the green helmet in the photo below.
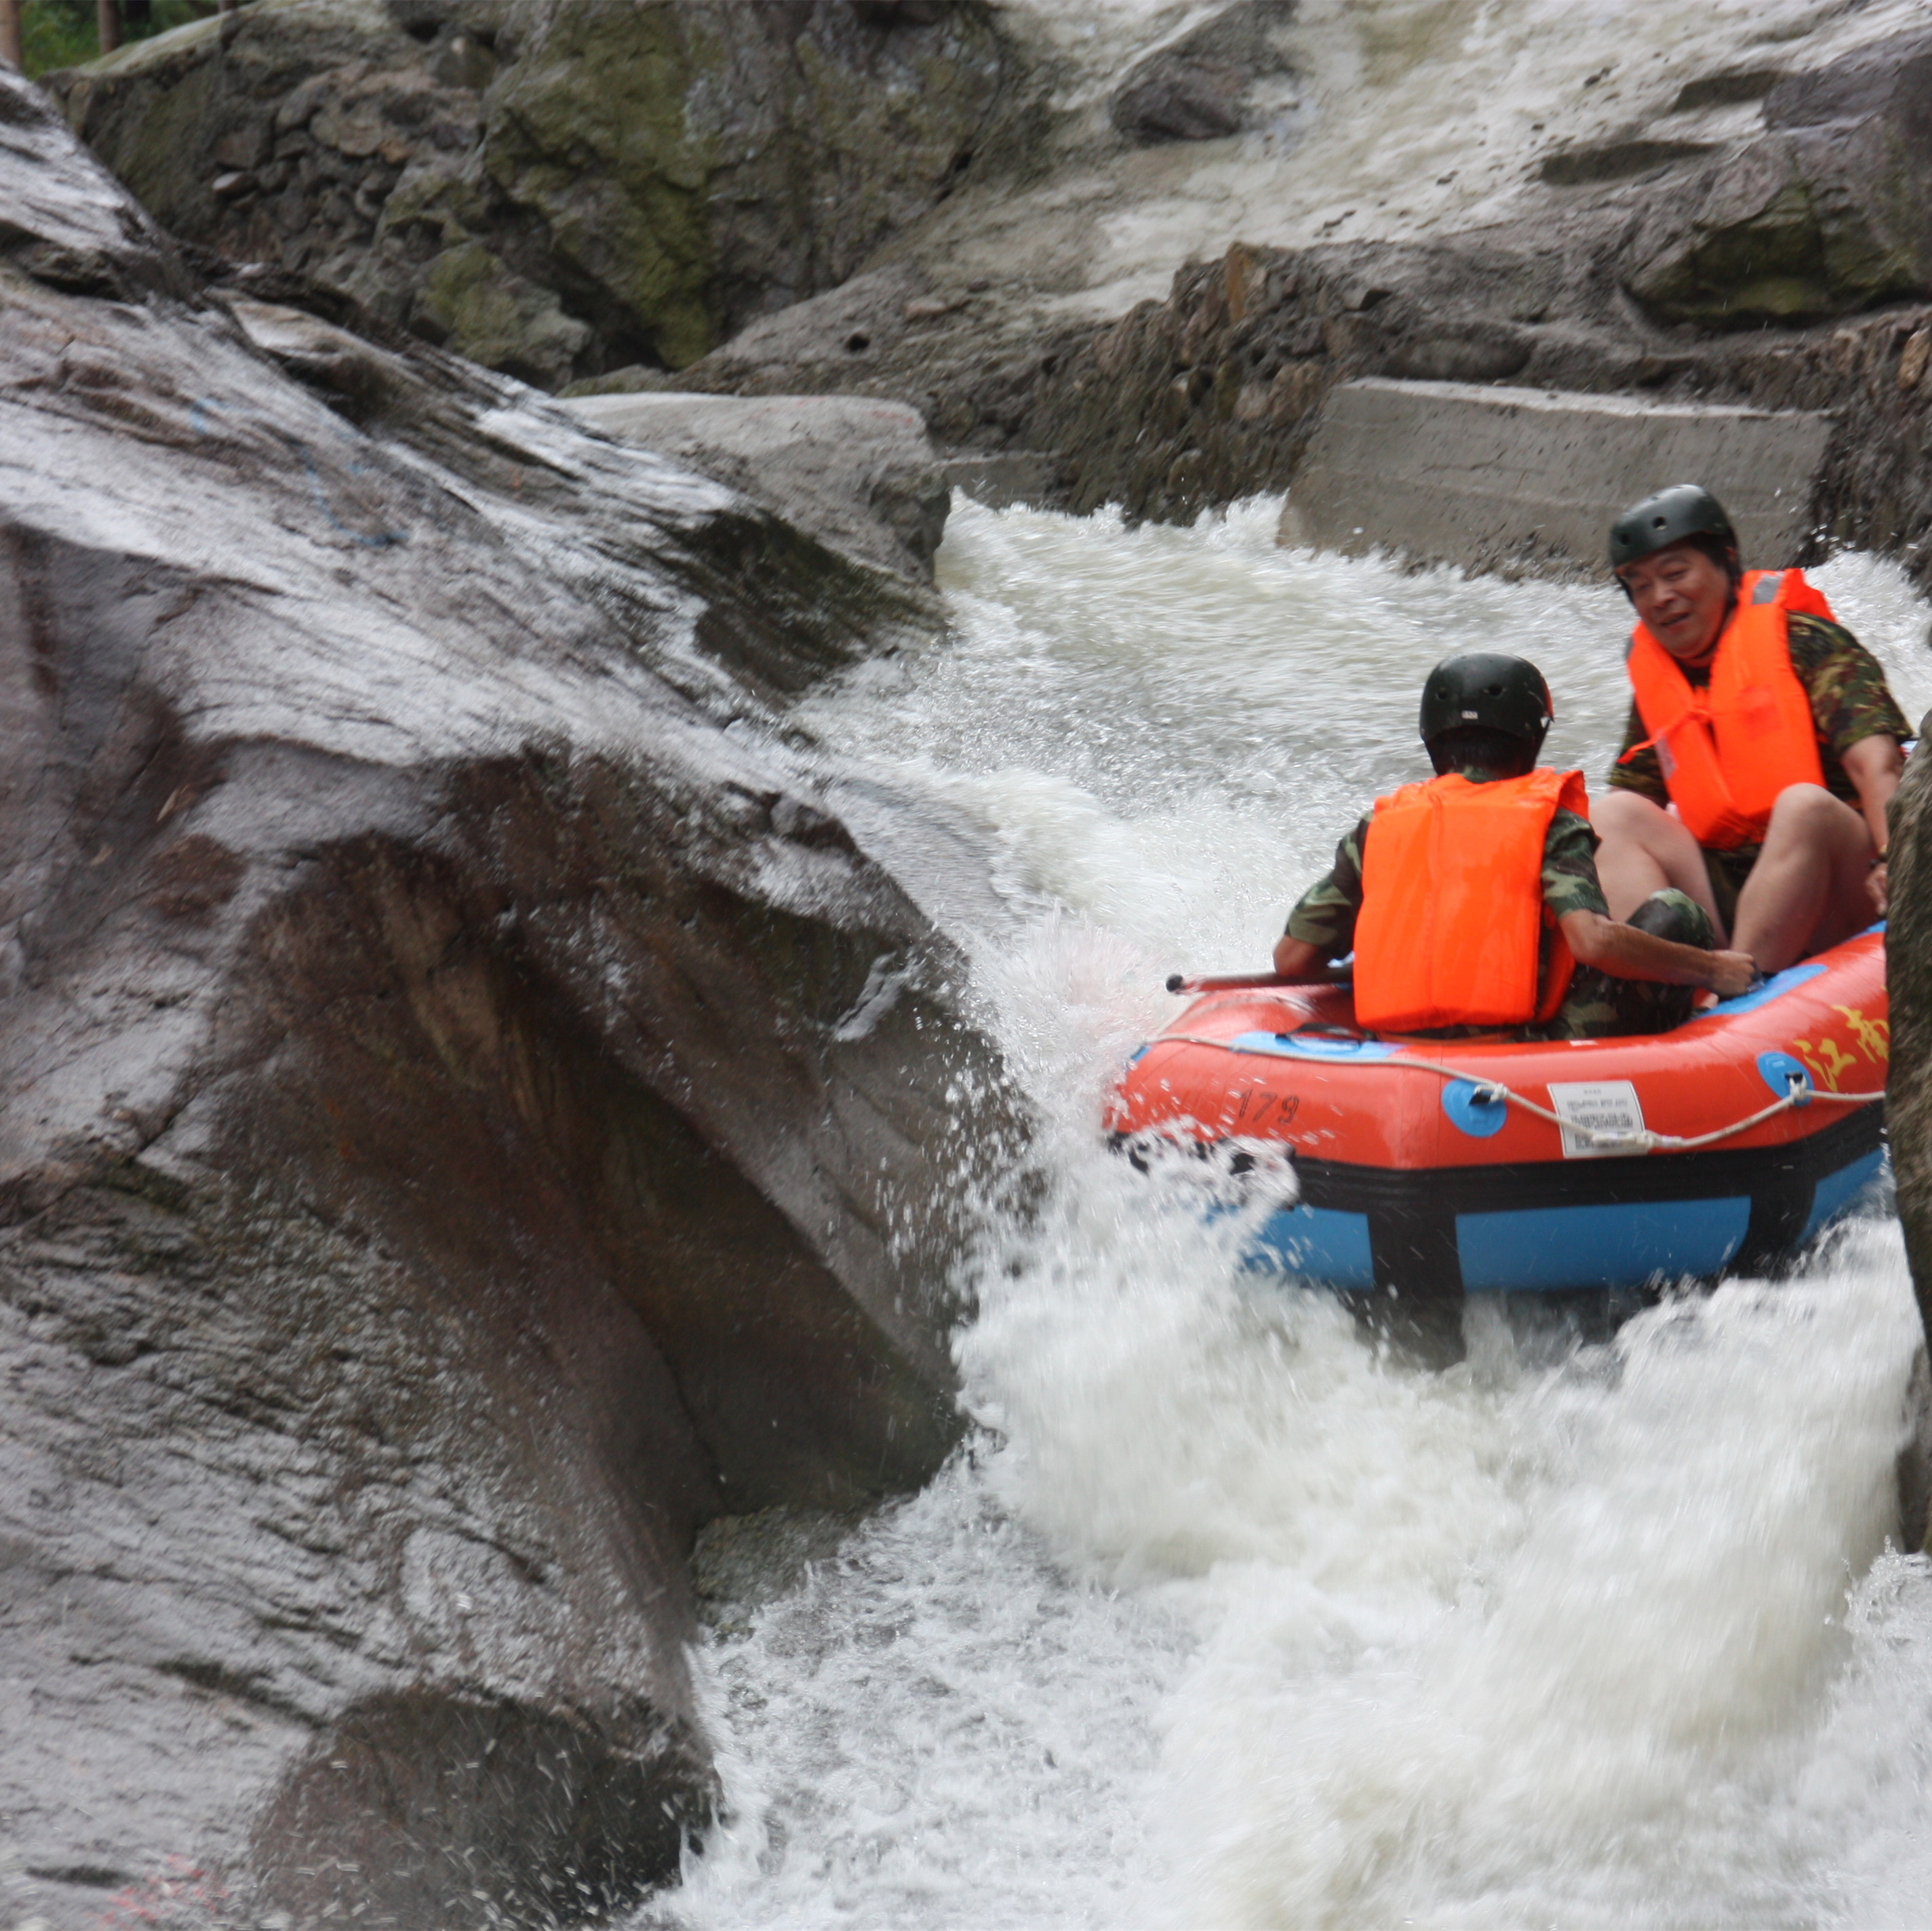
(1482, 690)
(1685, 509)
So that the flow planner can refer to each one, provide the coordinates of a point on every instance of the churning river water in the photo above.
(1226, 1618)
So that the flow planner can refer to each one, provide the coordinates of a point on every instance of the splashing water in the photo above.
(1227, 1620)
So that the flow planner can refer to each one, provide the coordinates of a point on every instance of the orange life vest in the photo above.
(1728, 750)
(1453, 917)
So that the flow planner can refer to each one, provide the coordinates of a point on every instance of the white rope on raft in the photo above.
(1643, 1140)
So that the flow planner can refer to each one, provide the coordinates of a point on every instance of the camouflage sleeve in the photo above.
(1570, 868)
(1642, 774)
(1850, 699)
(1326, 915)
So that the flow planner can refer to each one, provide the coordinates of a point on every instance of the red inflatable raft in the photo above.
(1436, 1168)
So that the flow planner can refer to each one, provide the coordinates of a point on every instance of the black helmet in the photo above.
(1685, 509)
(1483, 691)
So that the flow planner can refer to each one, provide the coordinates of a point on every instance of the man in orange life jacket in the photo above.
(1763, 745)
(1471, 900)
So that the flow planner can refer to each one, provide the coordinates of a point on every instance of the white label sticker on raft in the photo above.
(1604, 1106)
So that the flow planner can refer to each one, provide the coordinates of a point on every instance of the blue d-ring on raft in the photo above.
(1775, 987)
(1475, 1109)
(1312, 1046)
(1778, 1070)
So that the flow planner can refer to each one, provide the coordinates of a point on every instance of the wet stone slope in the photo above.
(470, 1109)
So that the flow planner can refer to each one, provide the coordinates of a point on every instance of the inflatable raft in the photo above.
(1437, 1168)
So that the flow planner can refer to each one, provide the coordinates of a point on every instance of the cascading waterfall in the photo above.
(1227, 1618)
(1397, 120)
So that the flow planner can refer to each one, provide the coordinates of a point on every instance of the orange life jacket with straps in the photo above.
(1452, 919)
(1728, 749)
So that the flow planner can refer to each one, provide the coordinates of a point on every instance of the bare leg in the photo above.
(1808, 889)
(1644, 848)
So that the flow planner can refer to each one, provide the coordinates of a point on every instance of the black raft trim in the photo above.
(1412, 1211)
(1611, 1180)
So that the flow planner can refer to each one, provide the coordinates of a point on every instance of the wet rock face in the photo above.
(551, 187)
(1908, 948)
(471, 1110)
(1207, 395)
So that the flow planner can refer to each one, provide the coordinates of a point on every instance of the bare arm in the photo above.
(1296, 959)
(1626, 953)
(1873, 764)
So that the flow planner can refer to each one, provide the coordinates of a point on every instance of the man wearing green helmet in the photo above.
(1471, 901)
(1763, 747)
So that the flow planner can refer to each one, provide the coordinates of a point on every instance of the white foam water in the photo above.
(1228, 1618)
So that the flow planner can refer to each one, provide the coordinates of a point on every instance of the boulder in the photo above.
(1198, 88)
(553, 188)
(1828, 211)
(858, 473)
(472, 1107)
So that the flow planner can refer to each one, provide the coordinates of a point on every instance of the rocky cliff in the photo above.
(471, 1108)
(1908, 1108)
(552, 188)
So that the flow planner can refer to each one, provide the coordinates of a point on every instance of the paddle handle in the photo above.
(1179, 982)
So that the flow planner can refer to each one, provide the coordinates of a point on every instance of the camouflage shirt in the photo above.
(1597, 1005)
(1327, 912)
(1850, 700)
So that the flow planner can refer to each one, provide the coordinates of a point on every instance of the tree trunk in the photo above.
(10, 33)
(108, 12)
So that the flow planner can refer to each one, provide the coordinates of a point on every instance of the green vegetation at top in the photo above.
(64, 33)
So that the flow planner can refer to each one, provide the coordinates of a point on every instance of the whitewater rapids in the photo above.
(1225, 1620)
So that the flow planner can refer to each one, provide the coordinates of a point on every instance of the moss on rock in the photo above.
(588, 132)
(471, 303)
(661, 171)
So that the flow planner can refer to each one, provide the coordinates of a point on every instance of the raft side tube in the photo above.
(1418, 1176)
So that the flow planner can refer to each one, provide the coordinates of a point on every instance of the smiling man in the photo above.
(1763, 743)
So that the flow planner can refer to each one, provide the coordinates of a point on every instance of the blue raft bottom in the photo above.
(1536, 1249)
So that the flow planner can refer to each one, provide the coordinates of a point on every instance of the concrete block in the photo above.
(1528, 481)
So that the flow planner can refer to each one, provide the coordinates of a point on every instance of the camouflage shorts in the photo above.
(1600, 1006)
